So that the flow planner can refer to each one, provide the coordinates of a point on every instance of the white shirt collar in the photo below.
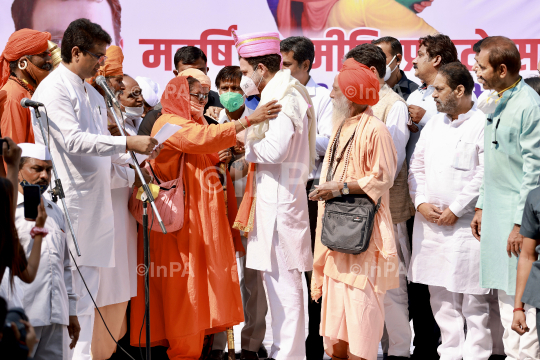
(223, 118)
(461, 117)
(70, 75)
(311, 87)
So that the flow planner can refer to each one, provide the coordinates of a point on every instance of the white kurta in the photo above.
(322, 104)
(119, 284)
(446, 170)
(82, 148)
(50, 298)
(282, 159)
(396, 122)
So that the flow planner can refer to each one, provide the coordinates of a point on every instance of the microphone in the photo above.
(100, 80)
(26, 102)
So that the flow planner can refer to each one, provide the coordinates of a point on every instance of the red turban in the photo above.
(20, 43)
(358, 83)
(175, 99)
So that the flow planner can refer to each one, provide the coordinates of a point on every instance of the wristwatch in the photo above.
(345, 190)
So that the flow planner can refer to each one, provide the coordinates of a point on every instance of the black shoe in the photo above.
(248, 355)
(497, 357)
(263, 354)
(391, 357)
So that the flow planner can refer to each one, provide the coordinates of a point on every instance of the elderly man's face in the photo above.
(54, 16)
(132, 96)
(117, 84)
(36, 172)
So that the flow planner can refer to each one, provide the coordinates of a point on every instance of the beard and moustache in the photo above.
(449, 106)
(36, 73)
(341, 110)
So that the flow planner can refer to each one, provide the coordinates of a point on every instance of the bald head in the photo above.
(502, 51)
(132, 96)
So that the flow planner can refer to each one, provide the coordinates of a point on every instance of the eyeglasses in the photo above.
(101, 59)
(200, 96)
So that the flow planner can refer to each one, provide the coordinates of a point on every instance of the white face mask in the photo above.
(133, 112)
(388, 70)
(248, 85)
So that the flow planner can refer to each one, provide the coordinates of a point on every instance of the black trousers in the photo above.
(314, 341)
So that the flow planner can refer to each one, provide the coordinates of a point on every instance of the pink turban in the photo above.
(358, 83)
(257, 44)
(197, 74)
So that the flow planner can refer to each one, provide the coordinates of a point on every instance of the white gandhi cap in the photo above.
(35, 151)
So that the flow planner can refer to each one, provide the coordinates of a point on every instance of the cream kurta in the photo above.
(373, 164)
(446, 170)
(82, 148)
(282, 159)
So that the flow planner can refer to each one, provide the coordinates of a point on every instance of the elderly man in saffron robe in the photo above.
(353, 286)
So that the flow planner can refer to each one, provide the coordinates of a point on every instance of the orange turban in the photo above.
(197, 74)
(20, 43)
(358, 83)
(113, 64)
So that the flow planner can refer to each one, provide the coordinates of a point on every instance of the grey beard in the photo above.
(447, 107)
(341, 110)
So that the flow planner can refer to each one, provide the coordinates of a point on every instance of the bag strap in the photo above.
(378, 205)
(180, 174)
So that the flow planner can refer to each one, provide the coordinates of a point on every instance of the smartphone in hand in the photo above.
(32, 199)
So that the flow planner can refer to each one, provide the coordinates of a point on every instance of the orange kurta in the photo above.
(204, 295)
(15, 121)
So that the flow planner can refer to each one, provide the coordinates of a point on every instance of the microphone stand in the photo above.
(149, 199)
(58, 190)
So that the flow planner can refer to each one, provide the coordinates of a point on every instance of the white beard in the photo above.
(341, 110)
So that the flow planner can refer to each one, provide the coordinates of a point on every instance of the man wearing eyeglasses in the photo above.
(84, 151)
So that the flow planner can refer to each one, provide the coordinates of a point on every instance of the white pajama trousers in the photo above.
(85, 310)
(451, 311)
(286, 301)
(398, 333)
(517, 347)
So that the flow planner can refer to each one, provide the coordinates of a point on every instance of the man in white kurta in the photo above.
(444, 181)
(279, 244)
(49, 301)
(82, 148)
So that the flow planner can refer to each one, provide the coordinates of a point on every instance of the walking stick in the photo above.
(230, 333)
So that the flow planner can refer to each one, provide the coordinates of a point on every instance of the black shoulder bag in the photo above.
(348, 220)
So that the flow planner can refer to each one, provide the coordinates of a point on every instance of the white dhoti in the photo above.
(451, 311)
(286, 301)
(398, 333)
(524, 347)
(85, 309)
(53, 342)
